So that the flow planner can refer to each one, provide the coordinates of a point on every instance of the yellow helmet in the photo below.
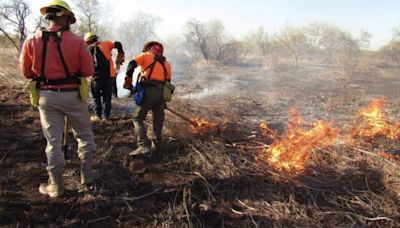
(90, 36)
(62, 5)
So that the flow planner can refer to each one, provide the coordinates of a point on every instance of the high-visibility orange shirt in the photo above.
(75, 52)
(106, 47)
(147, 58)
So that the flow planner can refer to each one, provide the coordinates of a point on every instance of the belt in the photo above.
(60, 89)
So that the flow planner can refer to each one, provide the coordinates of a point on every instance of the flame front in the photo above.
(203, 127)
(266, 132)
(375, 123)
(291, 153)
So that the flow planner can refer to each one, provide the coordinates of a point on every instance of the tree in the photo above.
(295, 41)
(341, 48)
(332, 45)
(232, 52)
(14, 15)
(197, 35)
(90, 17)
(364, 39)
(218, 39)
(390, 54)
(259, 42)
(396, 32)
(316, 33)
(347, 51)
(209, 38)
(137, 31)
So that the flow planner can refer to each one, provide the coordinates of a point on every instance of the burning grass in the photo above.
(291, 153)
(374, 122)
(211, 179)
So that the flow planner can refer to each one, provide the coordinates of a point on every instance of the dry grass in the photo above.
(209, 180)
(9, 73)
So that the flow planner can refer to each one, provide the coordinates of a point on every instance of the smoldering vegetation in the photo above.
(217, 173)
(228, 157)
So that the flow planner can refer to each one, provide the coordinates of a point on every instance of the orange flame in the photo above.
(375, 123)
(291, 153)
(203, 127)
(266, 132)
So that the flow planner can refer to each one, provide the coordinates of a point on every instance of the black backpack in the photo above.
(101, 63)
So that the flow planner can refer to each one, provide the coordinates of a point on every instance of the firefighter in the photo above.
(155, 71)
(103, 83)
(57, 59)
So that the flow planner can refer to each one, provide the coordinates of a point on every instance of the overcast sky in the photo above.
(378, 17)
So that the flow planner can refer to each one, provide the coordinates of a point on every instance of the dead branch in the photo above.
(244, 205)
(98, 219)
(208, 185)
(142, 196)
(185, 207)
(4, 156)
(374, 155)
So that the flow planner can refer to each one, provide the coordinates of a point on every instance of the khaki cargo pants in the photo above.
(53, 106)
(154, 101)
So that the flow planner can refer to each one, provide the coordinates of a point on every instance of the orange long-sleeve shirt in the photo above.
(75, 52)
(106, 47)
(147, 58)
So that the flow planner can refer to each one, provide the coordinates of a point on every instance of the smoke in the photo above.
(121, 79)
(203, 90)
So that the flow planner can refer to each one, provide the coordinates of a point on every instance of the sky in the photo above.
(239, 17)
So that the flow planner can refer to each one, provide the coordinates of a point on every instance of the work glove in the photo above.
(120, 58)
(128, 83)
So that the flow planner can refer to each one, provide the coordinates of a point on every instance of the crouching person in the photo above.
(57, 60)
(155, 71)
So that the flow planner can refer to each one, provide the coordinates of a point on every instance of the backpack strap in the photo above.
(45, 39)
(165, 71)
(42, 78)
(161, 60)
(151, 66)
(58, 41)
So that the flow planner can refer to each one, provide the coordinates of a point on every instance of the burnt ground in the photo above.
(213, 179)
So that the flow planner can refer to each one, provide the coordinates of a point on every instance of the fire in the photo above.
(203, 127)
(291, 153)
(267, 132)
(375, 123)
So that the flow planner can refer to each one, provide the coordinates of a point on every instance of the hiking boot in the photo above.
(95, 118)
(54, 187)
(153, 147)
(140, 150)
(51, 190)
(156, 151)
(88, 175)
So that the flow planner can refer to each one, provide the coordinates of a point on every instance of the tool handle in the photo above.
(65, 137)
(181, 116)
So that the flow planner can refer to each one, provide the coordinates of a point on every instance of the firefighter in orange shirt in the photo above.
(103, 82)
(57, 58)
(155, 71)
